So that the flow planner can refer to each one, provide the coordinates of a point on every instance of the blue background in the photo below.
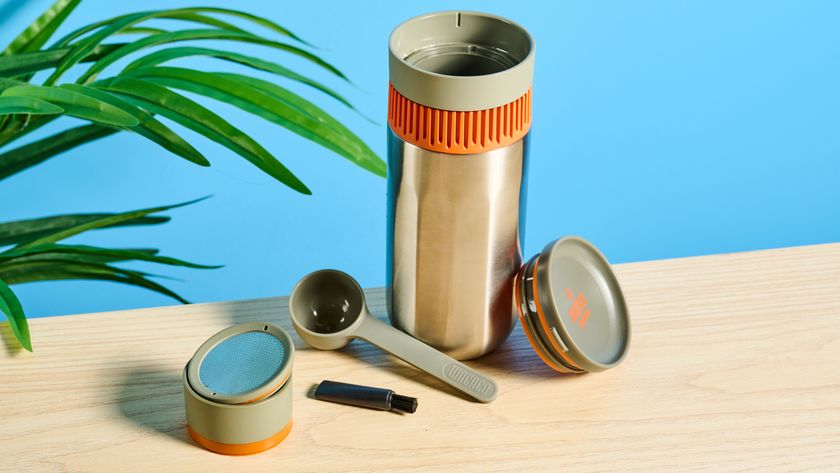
(662, 129)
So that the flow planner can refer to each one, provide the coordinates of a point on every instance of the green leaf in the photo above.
(169, 54)
(6, 83)
(188, 113)
(141, 30)
(106, 221)
(281, 106)
(84, 258)
(61, 270)
(24, 231)
(15, 127)
(191, 35)
(10, 306)
(30, 105)
(109, 27)
(83, 30)
(75, 104)
(188, 15)
(148, 126)
(178, 14)
(19, 126)
(86, 253)
(266, 23)
(25, 63)
(26, 156)
(39, 32)
(86, 45)
(377, 166)
(23, 269)
(56, 257)
(203, 19)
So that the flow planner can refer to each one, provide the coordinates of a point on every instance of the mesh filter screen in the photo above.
(242, 362)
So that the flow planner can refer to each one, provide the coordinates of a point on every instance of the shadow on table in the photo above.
(152, 398)
(516, 355)
(9, 341)
(375, 357)
(276, 311)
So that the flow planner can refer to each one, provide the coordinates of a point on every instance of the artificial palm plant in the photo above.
(133, 99)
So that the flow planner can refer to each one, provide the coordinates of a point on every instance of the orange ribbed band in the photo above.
(455, 132)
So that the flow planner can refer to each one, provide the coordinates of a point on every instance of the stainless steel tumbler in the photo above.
(459, 112)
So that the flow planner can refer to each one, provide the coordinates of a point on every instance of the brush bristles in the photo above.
(404, 403)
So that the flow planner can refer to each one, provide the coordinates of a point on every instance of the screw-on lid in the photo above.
(573, 308)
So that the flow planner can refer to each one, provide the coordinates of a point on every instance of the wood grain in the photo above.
(734, 366)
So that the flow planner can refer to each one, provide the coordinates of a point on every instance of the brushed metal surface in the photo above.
(455, 226)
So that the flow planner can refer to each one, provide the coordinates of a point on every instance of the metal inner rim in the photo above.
(490, 56)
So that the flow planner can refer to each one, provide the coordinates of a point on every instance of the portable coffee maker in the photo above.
(459, 110)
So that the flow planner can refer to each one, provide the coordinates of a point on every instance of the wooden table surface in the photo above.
(734, 365)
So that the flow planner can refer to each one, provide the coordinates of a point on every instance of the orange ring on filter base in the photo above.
(552, 341)
(458, 132)
(240, 448)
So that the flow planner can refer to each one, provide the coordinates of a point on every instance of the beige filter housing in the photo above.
(238, 389)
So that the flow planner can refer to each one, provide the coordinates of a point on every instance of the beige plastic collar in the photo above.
(461, 61)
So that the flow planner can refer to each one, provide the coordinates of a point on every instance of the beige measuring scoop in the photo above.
(328, 310)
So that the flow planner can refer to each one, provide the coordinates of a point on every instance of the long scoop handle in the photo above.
(426, 358)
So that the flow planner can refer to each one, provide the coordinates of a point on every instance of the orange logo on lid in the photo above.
(578, 306)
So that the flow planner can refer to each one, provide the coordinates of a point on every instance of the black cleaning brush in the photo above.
(365, 396)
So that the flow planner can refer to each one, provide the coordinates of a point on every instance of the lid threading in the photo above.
(529, 320)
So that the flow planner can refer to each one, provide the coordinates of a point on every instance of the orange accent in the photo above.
(240, 448)
(578, 306)
(582, 321)
(534, 345)
(270, 392)
(559, 351)
(458, 132)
